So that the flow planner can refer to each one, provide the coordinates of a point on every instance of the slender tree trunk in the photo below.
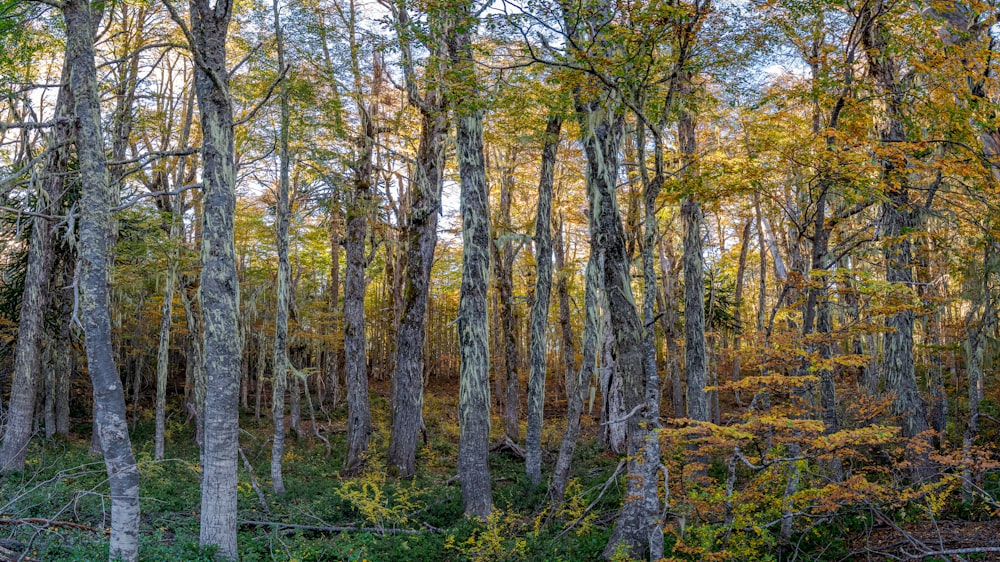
(163, 349)
(356, 371)
(670, 332)
(898, 225)
(568, 348)
(473, 325)
(649, 468)
(975, 346)
(96, 197)
(284, 272)
(295, 406)
(196, 362)
(504, 265)
(65, 354)
(48, 366)
(694, 286)
(576, 387)
(332, 353)
(738, 305)
(219, 287)
(260, 364)
(421, 235)
(31, 323)
(540, 311)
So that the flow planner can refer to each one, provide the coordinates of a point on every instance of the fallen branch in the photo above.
(9, 555)
(253, 482)
(951, 552)
(509, 445)
(36, 521)
(339, 529)
(607, 484)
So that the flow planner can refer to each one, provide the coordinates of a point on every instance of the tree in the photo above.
(96, 198)
(474, 387)
(540, 310)
(283, 213)
(219, 284)
(421, 237)
(27, 354)
(358, 210)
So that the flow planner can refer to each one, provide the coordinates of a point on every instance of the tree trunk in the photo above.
(504, 264)
(738, 305)
(649, 467)
(284, 271)
(567, 349)
(31, 322)
(695, 353)
(95, 219)
(615, 431)
(421, 236)
(65, 354)
(473, 326)
(219, 287)
(540, 312)
(898, 225)
(576, 390)
(332, 353)
(163, 349)
(356, 367)
(670, 321)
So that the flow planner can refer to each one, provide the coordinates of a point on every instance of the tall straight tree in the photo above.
(34, 299)
(577, 385)
(284, 269)
(359, 421)
(421, 239)
(696, 363)
(540, 306)
(899, 220)
(95, 221)
(473, 325)
(219, 290)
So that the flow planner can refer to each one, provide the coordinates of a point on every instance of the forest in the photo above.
(499, 280)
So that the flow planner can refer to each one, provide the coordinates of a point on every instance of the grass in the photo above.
(63, 482)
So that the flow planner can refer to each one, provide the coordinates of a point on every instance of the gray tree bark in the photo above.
(166, 317)
(505, 254)
(27, 352)
(219, 287)
(695, 353)
(284, 271)
(540, 311)
(421, 239)
(356, 368)
(65, 354)
(473, 325)
(95, 220)
(567, 350)
(577, 386)
(899, 222)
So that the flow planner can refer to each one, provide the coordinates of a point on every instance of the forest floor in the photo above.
(58, 508)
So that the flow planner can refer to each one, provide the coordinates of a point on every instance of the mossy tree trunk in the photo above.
(899, 223)
(284, 271)
(421, 239)
(473, 325)
(31, 322)
(95, 220)
(540, 311)
(219, 284)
